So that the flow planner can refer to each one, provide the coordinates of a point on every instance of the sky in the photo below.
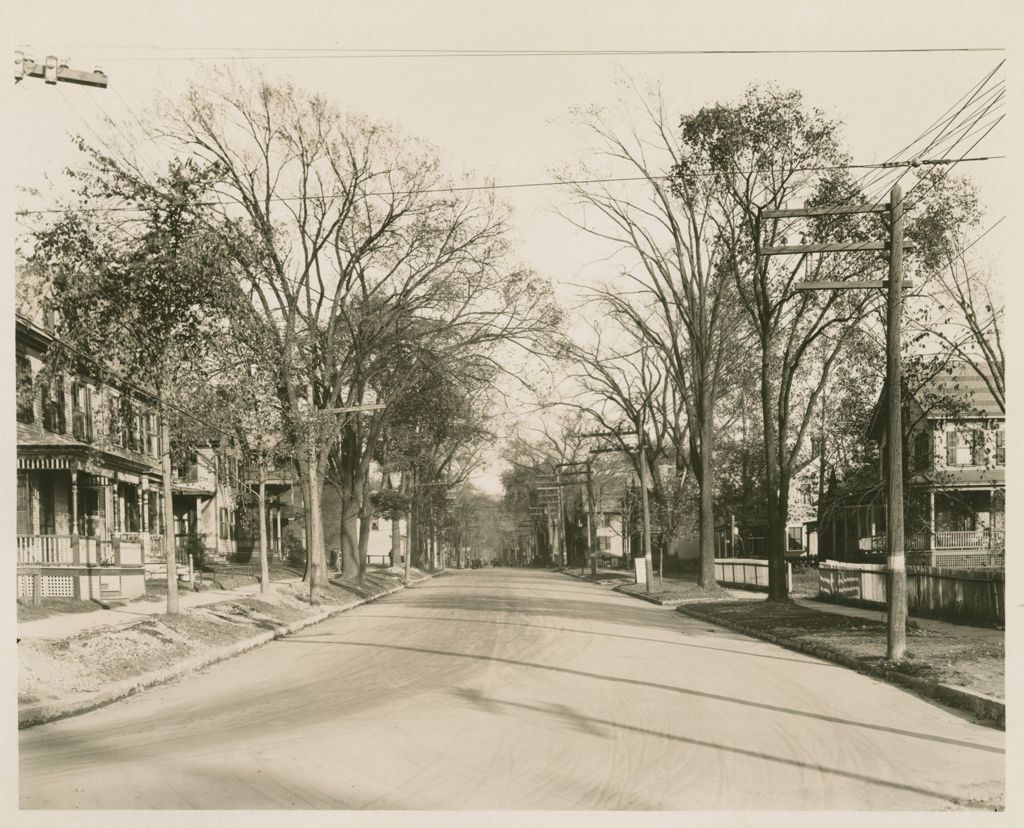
(509, 119)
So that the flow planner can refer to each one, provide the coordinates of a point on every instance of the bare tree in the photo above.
(676, 290)
(345, 237)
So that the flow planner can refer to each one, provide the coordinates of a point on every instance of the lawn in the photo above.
(942, 656)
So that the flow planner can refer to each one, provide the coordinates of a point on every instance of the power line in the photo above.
(553, 183)
(311, 53)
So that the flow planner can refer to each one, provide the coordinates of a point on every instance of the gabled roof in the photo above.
(957, 391)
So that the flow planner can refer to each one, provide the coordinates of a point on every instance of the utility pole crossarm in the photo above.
(881, 207)
(836, 247)
(849, 284)
(53, 71)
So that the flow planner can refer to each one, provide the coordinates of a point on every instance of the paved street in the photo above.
(493, 689)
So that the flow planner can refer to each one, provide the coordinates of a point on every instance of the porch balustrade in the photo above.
(44, 549)
(918, 541)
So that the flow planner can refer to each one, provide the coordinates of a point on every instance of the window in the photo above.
(153, 430)
(23, 388)
(923, 450)
(223, 527)
(604, 544)
(965, 447)
(53, 406)
(795, 538)
(81, 411)
(1000, 448)
(115, 428)
(129, 416)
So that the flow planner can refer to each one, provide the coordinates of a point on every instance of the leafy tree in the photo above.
(761, 152)
(141, 286)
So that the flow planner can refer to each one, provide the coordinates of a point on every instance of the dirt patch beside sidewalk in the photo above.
(77, 667)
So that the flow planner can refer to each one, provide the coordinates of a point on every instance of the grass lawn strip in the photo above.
(932, 656)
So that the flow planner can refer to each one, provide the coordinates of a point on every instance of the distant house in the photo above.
(956, 453)
(748, 540)
(378, 549)
(610, 542)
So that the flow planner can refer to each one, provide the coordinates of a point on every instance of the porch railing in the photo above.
(44, 549)
(918, 541)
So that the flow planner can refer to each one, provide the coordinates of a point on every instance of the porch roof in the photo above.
(30, 435)
(963, 479)
(41, 449)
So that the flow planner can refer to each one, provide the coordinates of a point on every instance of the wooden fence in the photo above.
(747, 572)
(968, 595)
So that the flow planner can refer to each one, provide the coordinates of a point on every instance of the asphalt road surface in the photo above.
(505, 689)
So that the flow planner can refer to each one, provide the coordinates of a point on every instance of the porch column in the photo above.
(74, 503)
(74, 520)
(144, 518)
(277, 518)
(931, 520)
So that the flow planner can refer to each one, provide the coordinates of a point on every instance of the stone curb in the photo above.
(661, 602)
(51, 711)
(982, 706)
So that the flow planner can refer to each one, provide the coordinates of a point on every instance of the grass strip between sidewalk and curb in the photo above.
(35, 714)
(983, 706)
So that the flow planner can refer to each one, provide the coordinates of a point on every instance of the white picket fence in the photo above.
(748, 572)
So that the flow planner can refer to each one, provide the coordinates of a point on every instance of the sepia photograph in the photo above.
(479, 413)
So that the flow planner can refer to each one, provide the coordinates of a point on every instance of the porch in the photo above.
(965, 548)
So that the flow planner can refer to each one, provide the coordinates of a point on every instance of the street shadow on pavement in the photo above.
(685, 691)
(813, 662)
(604, 728)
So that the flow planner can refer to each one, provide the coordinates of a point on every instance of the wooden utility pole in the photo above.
(897, 638)
(648, 560)
(894, 285)
(592, 518)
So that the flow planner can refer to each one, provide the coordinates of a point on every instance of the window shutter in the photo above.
(59, 405)
(88, 414)
(1001, 448)
(77, 417)
(44, 395)
(951, 443)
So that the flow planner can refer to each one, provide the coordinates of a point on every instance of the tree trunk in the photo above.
(349, 538)
(706, 572)
(777, 540)
(311, 492)
(396, 539)
(432, 541)
(365, 523)
(264, 565)
(777, 504)
(168, 505)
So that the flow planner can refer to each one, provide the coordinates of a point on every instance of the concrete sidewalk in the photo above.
(962, 631)
(65, 625)
(986, 635)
